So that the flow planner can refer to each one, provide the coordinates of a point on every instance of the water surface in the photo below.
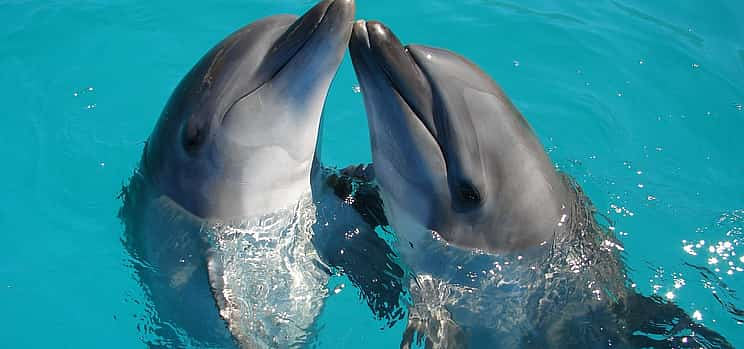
(642, 102)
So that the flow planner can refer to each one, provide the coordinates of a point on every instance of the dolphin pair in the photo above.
(504, 251)
(233, 224)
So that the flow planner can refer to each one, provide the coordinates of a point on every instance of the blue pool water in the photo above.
(641, 101)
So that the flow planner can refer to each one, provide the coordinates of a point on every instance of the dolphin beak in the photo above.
(347, 7)
(378, 53)
(338, 14)
(326, 16)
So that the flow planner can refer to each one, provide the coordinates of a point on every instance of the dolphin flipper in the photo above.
(354, 247)
(356, 182)
(655, 323)
(634, 321)
(166, 245)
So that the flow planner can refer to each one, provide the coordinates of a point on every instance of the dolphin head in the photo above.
(451, 152)
(238, 135)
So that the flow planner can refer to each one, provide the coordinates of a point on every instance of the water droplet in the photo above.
(515, 63)
(90, 89)
(619, 93)
(640, 185)
(75, 94)
(669, 295)
(102, 164)
(739, 107)
(356, 88)
(338, 289)
(695, 65)
(641, 62)
(697, 315)
(689, 250)
(651, 198)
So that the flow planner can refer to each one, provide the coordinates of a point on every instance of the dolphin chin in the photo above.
(505, 251)
(233, 151)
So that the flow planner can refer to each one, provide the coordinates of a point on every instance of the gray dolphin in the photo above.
(505, 251)
(220, 216)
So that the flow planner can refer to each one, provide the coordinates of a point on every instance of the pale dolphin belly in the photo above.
(268, 278)
(257, 284)
(461, 296)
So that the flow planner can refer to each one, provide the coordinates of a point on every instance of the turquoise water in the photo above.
(642, 102)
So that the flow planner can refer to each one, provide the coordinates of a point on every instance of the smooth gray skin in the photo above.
(236, 140)
(451, 152)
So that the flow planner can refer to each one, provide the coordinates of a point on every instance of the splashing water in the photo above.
(272, 285)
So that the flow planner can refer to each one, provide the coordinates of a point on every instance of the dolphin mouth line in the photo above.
(299, 49)
(415, 112)
(388, 76)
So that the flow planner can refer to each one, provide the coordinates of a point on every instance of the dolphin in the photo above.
(503, 251)
(225, 215)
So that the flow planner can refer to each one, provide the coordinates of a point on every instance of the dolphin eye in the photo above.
(469, 193)
(193, 136)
